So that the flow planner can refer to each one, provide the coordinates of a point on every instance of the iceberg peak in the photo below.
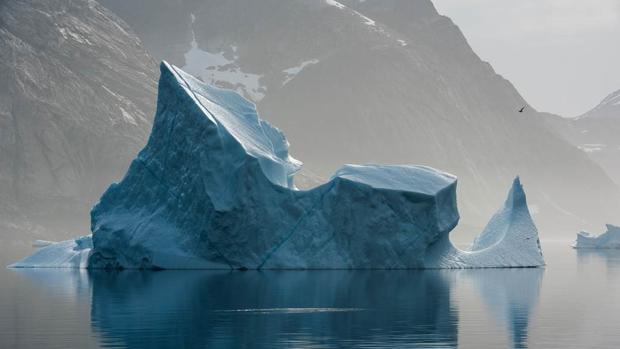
(236, 121)
(516, 196)
(510, 239)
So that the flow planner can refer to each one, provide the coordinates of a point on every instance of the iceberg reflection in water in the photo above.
(510, 295)
(287, 309)
(605, 259)
(314, 309)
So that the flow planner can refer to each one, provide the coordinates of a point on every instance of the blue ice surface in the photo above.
(214, 188)
(610, 239)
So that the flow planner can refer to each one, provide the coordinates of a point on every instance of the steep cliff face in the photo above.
(76, 105)
(384, 81)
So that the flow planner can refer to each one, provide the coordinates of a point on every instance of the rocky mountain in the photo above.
(76, 104)
(596, 133)
(608, 108)
(388, 81)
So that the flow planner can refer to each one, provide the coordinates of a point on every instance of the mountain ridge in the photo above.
(76, 105)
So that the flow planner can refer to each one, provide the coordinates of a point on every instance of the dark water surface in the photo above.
(572, 303)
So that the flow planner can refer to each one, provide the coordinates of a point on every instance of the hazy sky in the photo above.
(562, 55)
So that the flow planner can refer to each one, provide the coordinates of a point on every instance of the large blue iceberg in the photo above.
(214, 189)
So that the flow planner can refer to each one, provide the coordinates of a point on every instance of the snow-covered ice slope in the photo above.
(608, 240)
(213, 188)
(64, 254)
(510, 239)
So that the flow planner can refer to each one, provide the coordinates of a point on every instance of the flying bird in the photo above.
(521, 110)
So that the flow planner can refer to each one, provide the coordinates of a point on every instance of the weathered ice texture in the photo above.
(213, 188)
(608, 240)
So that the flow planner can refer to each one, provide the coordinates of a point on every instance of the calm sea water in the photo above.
(572, 303)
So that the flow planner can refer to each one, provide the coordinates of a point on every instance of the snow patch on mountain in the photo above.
(292, 72)
(127, 117)
(69, 34)
(218, 69)
(335, 4)
(365, 19)
(591, 148)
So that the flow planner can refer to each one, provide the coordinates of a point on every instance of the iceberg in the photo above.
(214, 189)
(608, 240)
(510, 239)
(510, 297)
(65, 254)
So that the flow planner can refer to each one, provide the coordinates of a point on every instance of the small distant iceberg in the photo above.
(608, 240)
(213, 189)
(65, 254)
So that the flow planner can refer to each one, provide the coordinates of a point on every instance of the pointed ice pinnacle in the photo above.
(510, 239)
(213, 188)
(495, 229)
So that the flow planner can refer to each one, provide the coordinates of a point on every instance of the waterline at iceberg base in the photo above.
(213, 189)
